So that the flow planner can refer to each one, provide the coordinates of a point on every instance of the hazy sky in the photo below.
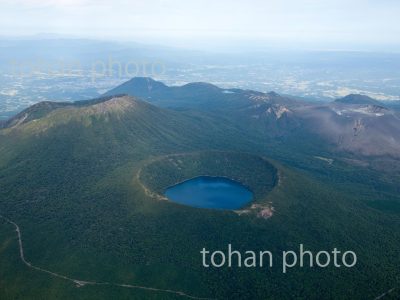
(312, 23)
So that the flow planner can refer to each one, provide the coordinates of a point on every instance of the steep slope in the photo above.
(367, 130)
(31, 113)
(196, 95)
(138, 86)
(43, 108)
(120, 119)
(358, 99)
(356, 124)
(267, 113)
(69, 180)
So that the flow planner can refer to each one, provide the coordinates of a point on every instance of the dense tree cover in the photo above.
(254, 172)
(70, 182)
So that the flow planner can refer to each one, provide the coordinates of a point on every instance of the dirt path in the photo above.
(385, 294)
(80, 283)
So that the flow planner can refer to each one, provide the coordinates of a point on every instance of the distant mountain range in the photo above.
(356, 124)
(358, 99)
(76, 180)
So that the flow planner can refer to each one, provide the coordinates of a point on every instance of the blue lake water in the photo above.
(210, 192)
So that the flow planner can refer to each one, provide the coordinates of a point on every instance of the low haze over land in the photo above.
(326, 24)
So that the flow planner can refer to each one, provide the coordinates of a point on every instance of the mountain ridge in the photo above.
(42, 109)
(70, 179)
(359, 99)
(364, 129)
(354, 124)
